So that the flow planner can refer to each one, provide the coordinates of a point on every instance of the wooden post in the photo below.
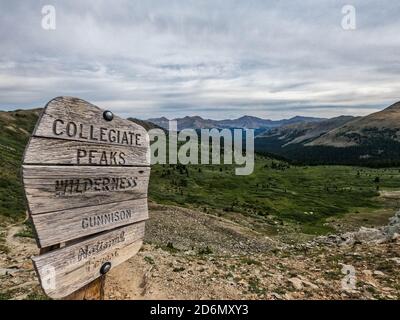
(92, 291)
(85, 174)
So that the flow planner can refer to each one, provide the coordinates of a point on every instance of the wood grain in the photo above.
(83, 113)
(85, 181)
(65, 270)
(57, 151)
(53, 188)
(92, 291)
(65, 225)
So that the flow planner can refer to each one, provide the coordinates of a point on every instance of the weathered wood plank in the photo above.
(75, 119)
(92, 291)
(57, 151)
(52, 188)
(62, 226)
(86, 175)
(65, 270)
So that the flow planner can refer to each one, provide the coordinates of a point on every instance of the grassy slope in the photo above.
(14, 133)
(274, 195)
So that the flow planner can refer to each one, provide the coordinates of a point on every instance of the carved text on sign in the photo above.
(85, 174)
(106, 218)
(103, 158)
(89, 132)
(101, 184)
(93, 249)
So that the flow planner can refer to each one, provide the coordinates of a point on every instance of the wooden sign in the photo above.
(85, 173)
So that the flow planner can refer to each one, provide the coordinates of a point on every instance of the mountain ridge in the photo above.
(246, 122)
(372, 140)
(384, 124)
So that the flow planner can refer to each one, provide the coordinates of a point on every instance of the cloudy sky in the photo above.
(217, 59)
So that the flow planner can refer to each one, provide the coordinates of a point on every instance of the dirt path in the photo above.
(18, 278)
(233, 272)
(177, 261)
(192, 255)
(390, 194)
(12, 242)
(312, 274)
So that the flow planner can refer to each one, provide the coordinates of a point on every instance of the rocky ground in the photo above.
(192, 255)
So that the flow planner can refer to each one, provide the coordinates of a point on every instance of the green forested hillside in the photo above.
(277, 195)
(376, 153)
(15, 128)
(372, 140)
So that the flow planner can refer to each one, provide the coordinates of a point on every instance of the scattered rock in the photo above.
(276, 295)
(363, 235)
(314, 273)
(8, 271)
(296, 283)
(397, 260)
(368, 273)
(310, 284)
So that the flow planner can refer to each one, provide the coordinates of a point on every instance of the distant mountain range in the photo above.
(370, 140)
(373, 140)
(304, 132)
(247, 122)
(382, 125)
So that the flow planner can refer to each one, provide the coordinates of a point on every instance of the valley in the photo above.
(213, 234)
(278, 198)
(372, 140)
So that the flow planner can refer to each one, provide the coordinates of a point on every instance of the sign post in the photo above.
(85, 173)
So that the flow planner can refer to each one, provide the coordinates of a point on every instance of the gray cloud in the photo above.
(216, 59)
